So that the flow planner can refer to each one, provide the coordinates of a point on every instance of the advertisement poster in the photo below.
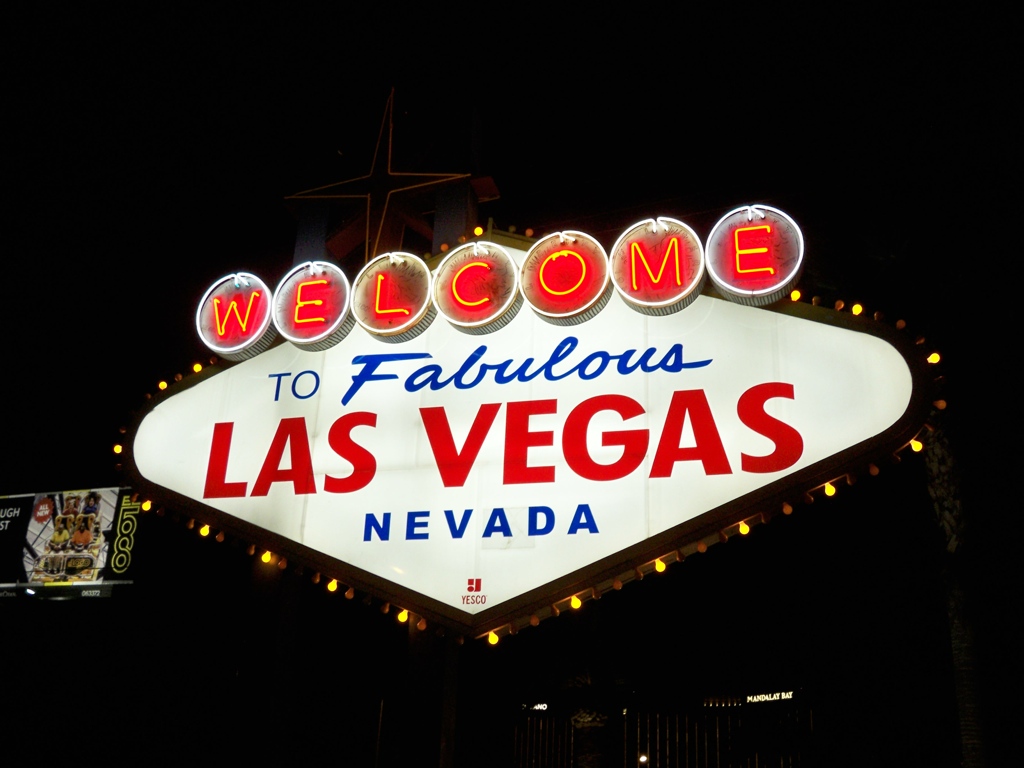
(73, 543)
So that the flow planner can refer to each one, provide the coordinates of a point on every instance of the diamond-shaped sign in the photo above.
(474, 478)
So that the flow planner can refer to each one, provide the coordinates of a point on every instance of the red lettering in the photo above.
(364, 465)
(519, 439)
(453, 464)
(708, 448)
(632, 441)
(217, 486)
(290, 432)
(789, 445)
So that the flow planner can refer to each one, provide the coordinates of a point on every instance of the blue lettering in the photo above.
(277, 389)
(533, 529)
(413, 522)
(460, 529)
(299, 375)
(383, 529)
(370, 364)
(497, 523)
(583, 518)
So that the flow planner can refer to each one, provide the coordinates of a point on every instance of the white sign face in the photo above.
(470, 470)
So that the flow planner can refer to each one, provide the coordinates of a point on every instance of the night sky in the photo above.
(151, 154)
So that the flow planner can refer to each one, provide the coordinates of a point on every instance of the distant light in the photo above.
(830, 490)
(162, 385)
(403, 615)
(744, 528)
(332, 585)
(492, 638)
(857, 309)
(575, 602)
(197, 367)
(795, 295)
(478, 230)
(118, 448)
(933, 357)
(205, 530)
(266, 556)
(916, 445)
(659, 565)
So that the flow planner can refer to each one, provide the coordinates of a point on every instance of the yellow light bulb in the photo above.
(916, 445)
(795, 295)
(575, 602)
(830, 490)
(492, 638)
(856, 309)
(478, 230)
(266, 556)
(118, 448)
(205, 530)
(332, 585)
(197, 368)
(147, 505)
(659, 565)
(744, 528)
(162, 385)
(403, 615)
(934, 358)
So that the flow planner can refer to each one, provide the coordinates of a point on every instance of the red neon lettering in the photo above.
(789, 445)
(376, 304)
(364, 465)
(217, 486)
(300, 302)
(455, 290)
(552, 257)
(765, 229)
(632, 441)
(519, 439)
(453, 464)
(232, 308)
(708, 448)
(636, 250)
(293, 433)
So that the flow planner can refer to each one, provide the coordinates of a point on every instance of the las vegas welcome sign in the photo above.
(480, 440)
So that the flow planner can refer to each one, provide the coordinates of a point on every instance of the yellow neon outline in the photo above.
(222, 327)
(376, 303)
(299, 303)
(555, 255)
(455, 290)
(634, 249)
(736, 240)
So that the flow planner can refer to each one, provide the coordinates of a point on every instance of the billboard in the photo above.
(74, 543)
(517, 429)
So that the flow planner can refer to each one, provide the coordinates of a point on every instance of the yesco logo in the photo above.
(474, 597)
(754, 255)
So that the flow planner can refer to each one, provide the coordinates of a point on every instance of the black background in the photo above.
(148, 153)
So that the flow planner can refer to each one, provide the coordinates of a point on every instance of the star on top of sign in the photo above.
(386, 195)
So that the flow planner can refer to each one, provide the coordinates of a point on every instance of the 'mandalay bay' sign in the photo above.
(476, 441)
